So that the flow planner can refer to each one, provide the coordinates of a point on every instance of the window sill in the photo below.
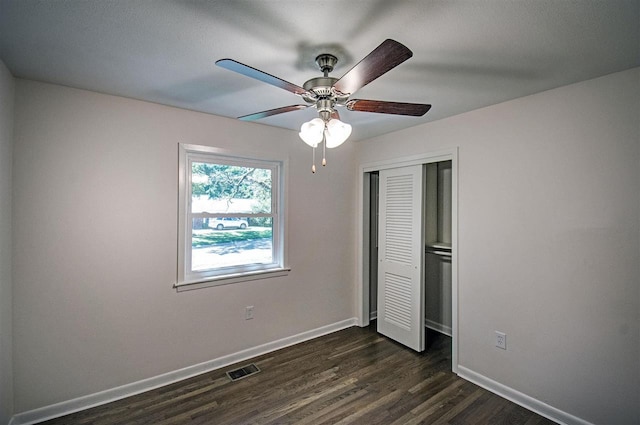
(230, 278)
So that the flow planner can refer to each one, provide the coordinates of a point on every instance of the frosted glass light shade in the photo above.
(337, 132)
(311, 132)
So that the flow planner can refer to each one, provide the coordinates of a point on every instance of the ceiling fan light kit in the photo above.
(326, 94)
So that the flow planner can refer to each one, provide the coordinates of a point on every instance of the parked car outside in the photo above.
(228, 222)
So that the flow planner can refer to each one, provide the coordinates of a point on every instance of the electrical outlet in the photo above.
(501, 340)
(248, 312)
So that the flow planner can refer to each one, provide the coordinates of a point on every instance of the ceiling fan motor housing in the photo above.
(320, 86)
(320, 89)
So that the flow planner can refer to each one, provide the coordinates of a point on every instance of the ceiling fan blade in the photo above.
(335, 115)
(383, 58)
(270, 112)
(382, 107)
(248, 71)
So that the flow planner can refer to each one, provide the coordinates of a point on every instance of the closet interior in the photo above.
(437, 261)
(437, 211)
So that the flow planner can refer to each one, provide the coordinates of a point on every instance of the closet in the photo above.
(434, 208)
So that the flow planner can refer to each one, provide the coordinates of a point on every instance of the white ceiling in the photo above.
(467, 54)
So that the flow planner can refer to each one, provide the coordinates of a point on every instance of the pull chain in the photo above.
(324, 156)
(324, 146)
(313, 160)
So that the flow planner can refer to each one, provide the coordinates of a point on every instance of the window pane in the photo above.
(219, 188)
(231, 241)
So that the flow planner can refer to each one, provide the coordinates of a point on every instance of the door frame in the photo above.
(363, 226)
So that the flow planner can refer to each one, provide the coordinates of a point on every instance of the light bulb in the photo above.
(336, 133)
(311, 132)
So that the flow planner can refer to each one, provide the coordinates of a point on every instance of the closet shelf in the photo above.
(442, 249)
(439, 245)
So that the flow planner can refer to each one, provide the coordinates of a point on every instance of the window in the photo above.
(231, 222)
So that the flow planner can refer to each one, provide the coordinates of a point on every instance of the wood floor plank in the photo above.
(329, 410)
(354, 376)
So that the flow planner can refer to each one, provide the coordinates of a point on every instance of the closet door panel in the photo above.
(400, 256)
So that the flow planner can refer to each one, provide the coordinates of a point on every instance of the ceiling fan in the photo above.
(326, 93)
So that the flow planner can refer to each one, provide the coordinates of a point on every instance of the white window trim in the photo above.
(186, 280)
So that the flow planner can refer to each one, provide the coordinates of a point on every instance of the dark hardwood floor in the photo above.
(354, 376)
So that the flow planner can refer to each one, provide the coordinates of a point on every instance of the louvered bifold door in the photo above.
(400, 256)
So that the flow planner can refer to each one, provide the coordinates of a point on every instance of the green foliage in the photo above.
(259, 221)
(228, 182)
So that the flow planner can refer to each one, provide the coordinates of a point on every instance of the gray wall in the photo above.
(95, 231)
(549, 241)
(6, 153)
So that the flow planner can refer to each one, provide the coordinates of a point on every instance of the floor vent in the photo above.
(243, 372)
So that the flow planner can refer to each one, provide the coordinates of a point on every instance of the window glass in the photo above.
(231, 241)
(219, 188)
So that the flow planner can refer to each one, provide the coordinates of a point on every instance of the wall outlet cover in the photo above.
(248, 312)
(501, 340)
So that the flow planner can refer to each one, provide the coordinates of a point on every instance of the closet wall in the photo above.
(437, 210)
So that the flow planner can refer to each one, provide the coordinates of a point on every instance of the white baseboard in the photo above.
(521, 399)
(438, 327)
(127, 390)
